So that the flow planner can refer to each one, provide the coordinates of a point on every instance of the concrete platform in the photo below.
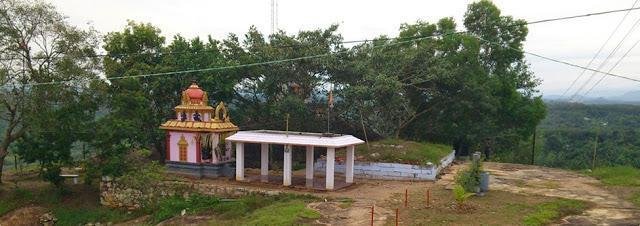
(317, 183)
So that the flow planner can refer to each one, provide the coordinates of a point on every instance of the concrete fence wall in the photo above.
(391, 171)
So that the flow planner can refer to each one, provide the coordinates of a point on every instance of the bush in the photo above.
(460, 195)
(469, 178)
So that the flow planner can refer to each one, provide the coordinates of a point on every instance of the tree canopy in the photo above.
(432, 82)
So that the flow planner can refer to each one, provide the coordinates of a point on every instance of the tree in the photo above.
(137, 106)
(433, 83)
(266, 94)
(39, 46)
(519, 106)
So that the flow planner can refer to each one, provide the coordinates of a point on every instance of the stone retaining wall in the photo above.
(115, 195)
(391, 171)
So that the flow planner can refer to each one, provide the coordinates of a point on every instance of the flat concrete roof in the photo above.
(295, 138)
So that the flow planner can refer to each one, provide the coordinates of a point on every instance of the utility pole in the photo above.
(595, 149)
(597, 124)
(533, 147)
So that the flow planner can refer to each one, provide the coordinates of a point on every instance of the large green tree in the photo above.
(472, 89)
(138, 105)
(37, 45)
(267, 94)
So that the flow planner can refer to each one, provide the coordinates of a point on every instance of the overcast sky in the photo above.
(574, 41)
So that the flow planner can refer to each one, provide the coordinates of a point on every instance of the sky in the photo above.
(575, 41)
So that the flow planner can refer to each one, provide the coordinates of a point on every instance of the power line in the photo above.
(237, 66)
(611, 69)
(606, 60)
(561, 62)
(599, 50)
(343, 42)
(334, 53)
(347, 50)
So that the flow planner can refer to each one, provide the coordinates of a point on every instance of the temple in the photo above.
(196, 139)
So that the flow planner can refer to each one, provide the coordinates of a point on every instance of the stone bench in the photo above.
(73, 176)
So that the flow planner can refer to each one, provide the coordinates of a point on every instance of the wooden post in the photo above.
(595, 149)
(533, 148)
(428, 197)
(372, 210)
(406, 197)
(397, 211)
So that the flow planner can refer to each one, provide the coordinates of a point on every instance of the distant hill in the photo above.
(632, 97)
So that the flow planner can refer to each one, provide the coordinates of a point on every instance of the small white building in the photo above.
(289, 139)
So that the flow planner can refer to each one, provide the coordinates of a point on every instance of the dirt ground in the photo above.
(23, 216)
(609, 208)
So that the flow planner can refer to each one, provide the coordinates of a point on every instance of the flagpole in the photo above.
(328, 116)
(329, 107)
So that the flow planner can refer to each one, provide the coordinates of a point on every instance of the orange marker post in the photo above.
(372, 208)
(397, 216)
(428, 197)
(406, 197)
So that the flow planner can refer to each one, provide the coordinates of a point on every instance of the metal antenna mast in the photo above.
(274, 16)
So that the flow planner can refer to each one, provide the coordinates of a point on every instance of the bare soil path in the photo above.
(609, 209)
(365, 193)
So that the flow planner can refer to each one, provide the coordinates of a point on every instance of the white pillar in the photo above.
(286, 177)
(309, 167)
(264, 162)
(349, 169)
(239, 161)
(331, 159)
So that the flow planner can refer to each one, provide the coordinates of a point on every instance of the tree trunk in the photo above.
(1, 165)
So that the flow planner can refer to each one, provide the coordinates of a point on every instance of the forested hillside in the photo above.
(567, 136)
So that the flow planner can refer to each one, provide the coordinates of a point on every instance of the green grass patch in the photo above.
(174, 205)
(618, 175)
(16, 198)
(635, 199)
(245, 209)
(549, 212)
(80, 216)
(401, 151)
(282, 213)
(76, 205)
(345, 203)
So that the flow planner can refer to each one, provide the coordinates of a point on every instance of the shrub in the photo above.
(460, 195)
(469, 178)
